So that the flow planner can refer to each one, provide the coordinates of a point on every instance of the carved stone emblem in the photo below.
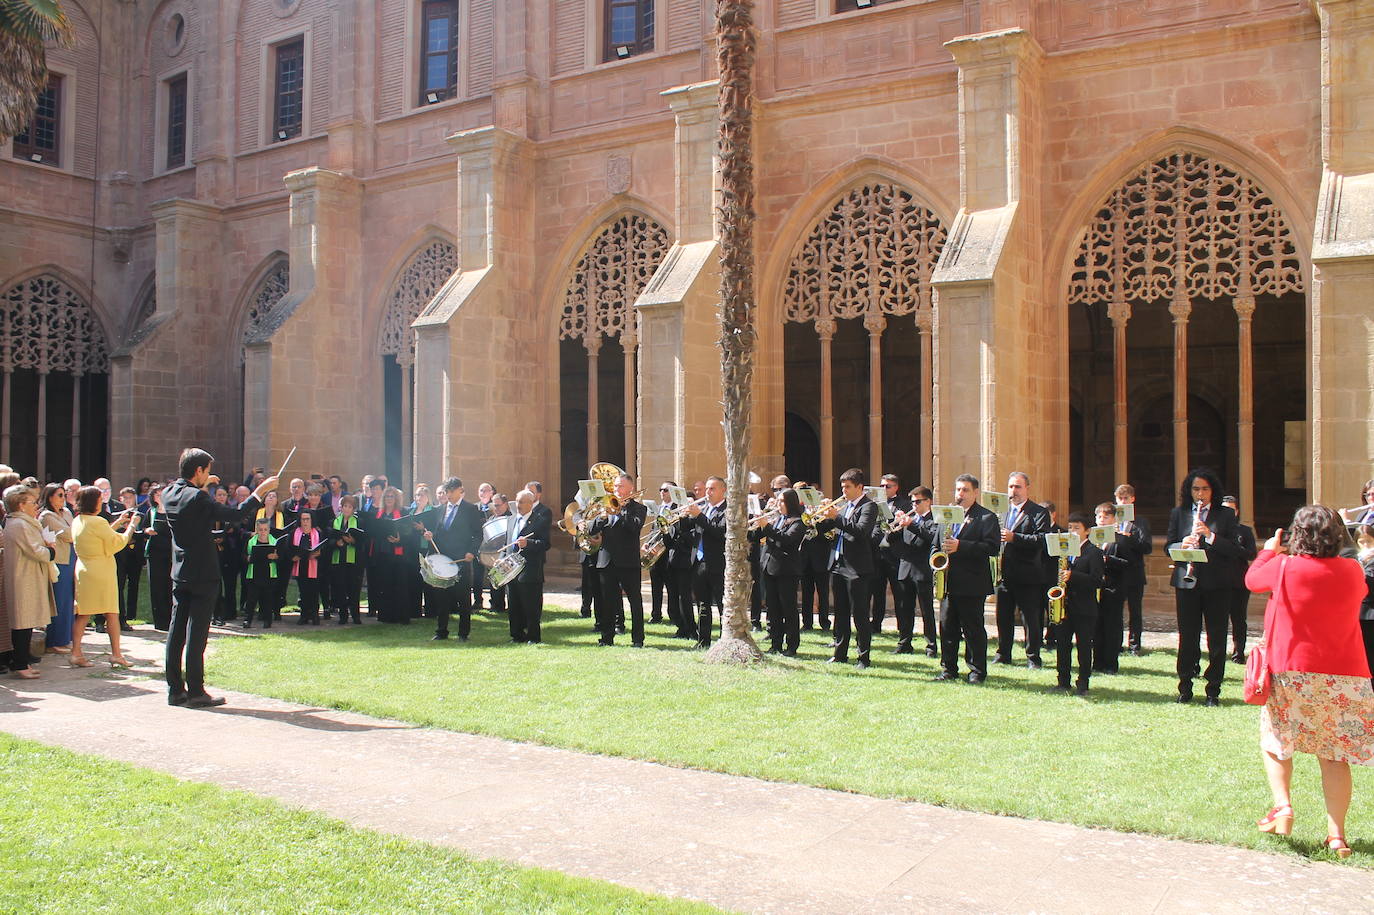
(617, 174)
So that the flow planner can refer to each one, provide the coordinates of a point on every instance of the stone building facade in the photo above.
(1096, 241)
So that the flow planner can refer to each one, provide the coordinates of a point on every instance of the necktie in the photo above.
(839, 538)
(448, 517)
(1011, 517)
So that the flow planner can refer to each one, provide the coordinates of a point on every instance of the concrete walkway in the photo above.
(739, 843)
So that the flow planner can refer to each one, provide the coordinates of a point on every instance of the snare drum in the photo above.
(439, 571)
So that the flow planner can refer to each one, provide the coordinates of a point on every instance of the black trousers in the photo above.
(1079, 627)
(815, 583)
(160, 591)
(309, 589)
(192, 605)
(755, 595)
(345, 589)
(1240, 621)
(229, 593)
(925, 596)
(784, 623)
(591, 591)
(1135, 599)
(1197, 610)
(479, 583)
(680, 602)
(962, 614)
(128, 573)
(852, 602)
(708, 590)
(658, 587)
(260, 594)
(904, 608)
(20, 655)
(615, 582)
(526, 608)
(886, 577)
(1028, 598)
(440, 603)
(1107, 642)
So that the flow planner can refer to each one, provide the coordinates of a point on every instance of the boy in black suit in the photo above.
(1080, 582)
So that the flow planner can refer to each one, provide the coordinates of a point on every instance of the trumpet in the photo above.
(811, 519)
(939, 561)
(765, 519)
(669, 518)
(1056, 596)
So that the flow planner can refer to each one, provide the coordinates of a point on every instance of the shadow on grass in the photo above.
(308, 718)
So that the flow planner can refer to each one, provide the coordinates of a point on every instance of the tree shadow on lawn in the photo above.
(307, 718)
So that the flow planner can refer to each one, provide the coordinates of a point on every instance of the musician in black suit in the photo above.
(1080, 581)
(659, 585)
(780, 561)
(485, 492)
(129, 565)
(1024, 582)
(886, 562)
(968, 582)
(617, 563)
(191, 514)
(1201, 522)
(909, 542)
(1115, 565)
(852, 567)
(457, 535)
(530, 534)
(708, 556)
(1136, 543)
(815, 579)
(1240, 595)
(159, 555)
(680, 538)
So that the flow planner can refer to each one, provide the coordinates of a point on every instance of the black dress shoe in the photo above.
(177, 699)
(439, 637)
(462, 638)
(204, 701)
(904, 649)
(602, 643)
(1034, 664)
(1237, 658)
(975, 677)
(1059, 689)
(789, 653)
(620, 629)
(1137, 651)
(636, 644)
(945, 676)
(1000, 659)
(834, 660)
(863, 664)
(1212, 702)
(807, 628)
(932, 651)
(1183, 698)
(125, 627)
(1081, 691)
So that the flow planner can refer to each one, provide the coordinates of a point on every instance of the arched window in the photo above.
(273, 285)
(54, 358)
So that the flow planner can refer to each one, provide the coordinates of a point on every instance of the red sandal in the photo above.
(1278, 821)
(1337, 845)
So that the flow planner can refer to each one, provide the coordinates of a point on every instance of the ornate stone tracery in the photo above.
(1186, 227)
(269, 292)
(47, 326)
(609, 277)
(417, 286)
(871, 255)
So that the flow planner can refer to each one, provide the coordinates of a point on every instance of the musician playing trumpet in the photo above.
(780, 559)
(968, 582)
(617, 563)
(852, 568)
(708, 555)
(909, 542)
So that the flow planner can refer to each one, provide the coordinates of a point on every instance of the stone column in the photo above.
(593, 346)
(825, 330)
(1342, 402)
(1180, 308)
(1120, 313)
(629, 341)
(875, 324)
(1245, 310)
(924, 319)
(679, 361)
(42, 430)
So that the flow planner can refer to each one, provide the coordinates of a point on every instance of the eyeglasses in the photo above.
(663, 489)
(918, 501)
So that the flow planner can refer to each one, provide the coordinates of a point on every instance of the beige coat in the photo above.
(60, 523)
(28, 589)
(5, 639)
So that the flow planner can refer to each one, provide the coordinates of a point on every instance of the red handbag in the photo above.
(1257, 683)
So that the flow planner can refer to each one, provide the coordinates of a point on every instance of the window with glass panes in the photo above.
(176, 121)
(288, 109)
(629, 28)
(438, 51)
(40, 141)
(842, 6)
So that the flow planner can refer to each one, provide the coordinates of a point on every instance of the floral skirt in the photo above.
(1329, 716)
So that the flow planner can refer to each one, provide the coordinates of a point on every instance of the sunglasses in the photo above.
(665, 489)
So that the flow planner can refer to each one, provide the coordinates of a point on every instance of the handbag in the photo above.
(1257, 680)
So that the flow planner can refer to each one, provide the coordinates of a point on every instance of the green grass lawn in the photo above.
(82, 834)
(1128, 758)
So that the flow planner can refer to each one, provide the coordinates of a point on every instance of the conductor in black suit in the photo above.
(1202, 591)
(457, 535)
(530, 535)
(617, 563)
(1024, 582)
(968, 582)
(852, 567)
(191, 515)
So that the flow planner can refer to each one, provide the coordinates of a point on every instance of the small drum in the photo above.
(506, 569)
(438, 571)
(495, 534)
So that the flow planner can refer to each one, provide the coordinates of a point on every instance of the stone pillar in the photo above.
(825, 330)
(1120, 313)
(680, 434)
(924, 322)
(1342, 401)
(875, 324)
(1180, 308)
(167, 385)
(1000, 354)
(629, 341)
(1245, 311)
(306, 373)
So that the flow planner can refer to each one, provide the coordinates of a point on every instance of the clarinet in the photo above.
(1189, 579)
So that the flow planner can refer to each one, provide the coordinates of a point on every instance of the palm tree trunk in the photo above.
(735, 42)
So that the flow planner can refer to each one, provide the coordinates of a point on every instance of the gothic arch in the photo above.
(270, 282)
(78, 286)
(414, 287)
(145, 306)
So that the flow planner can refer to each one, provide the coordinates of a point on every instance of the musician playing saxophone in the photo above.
(968, 582)
(1080, 581)
(617, 563)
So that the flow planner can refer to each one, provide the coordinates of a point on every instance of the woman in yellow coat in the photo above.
(97, 593)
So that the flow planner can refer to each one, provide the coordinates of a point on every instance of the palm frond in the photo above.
(41, 20)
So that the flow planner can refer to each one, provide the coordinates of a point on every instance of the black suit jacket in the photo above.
(910, 546)
(536, 528)
(1023, 557)
(1245, 539)
(780, 550)
(708, 532)
(1223, 553)
(856, 533)
(463, 536)
(969, 574)
(1085, 577)
(1133, 545)
(192, 514)
(620, 536)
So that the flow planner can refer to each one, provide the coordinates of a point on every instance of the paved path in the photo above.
(739, 843)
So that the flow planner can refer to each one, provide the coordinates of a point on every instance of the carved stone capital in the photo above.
(1119, 313)
(875, 324)
(1245, 307)
(825, 328)
(1180, 308)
